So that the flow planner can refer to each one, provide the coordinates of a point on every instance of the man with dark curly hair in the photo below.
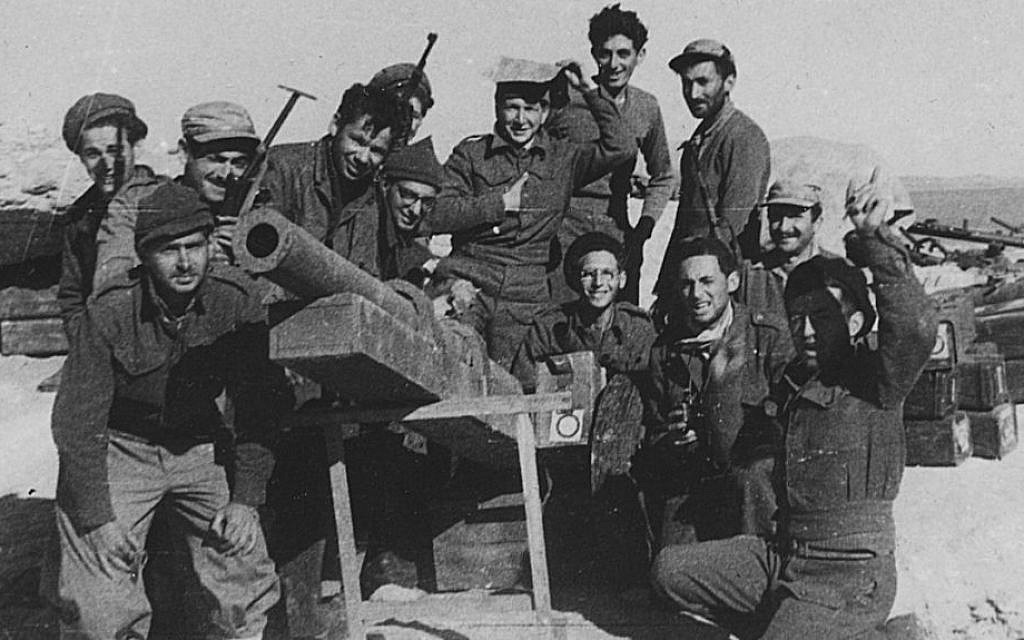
(617, 43)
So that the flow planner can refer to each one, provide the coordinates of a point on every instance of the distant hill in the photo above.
(934, 183)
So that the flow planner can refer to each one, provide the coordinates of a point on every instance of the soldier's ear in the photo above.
(182, 147)
(729, 83)
(333, 128)
(623, 279)
(641, 54)
(855, 322)
(733, 281)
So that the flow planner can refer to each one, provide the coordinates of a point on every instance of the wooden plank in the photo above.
(39, 337)
(449, 408)
(347, 556)
(469, 605)
(945, 442)
(994, 433)
(534, 518)
(17, 303)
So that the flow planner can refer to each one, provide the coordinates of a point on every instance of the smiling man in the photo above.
(618, 42)
(134, 423)
(710, 449)
(725, 165)
(218, 140)
(103, 130)
(327, 186)
(506, 193)
(412, 181)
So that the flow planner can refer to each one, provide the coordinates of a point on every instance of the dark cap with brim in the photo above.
(699, 51)
(170, 211)
(90, 109)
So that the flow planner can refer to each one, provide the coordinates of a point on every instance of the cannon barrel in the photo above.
(269, 245)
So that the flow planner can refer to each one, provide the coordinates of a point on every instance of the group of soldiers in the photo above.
(763, 437)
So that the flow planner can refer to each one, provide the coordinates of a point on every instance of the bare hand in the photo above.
(224, 231)
(574, 75)
(236, 529)
(113, 550)
(869, 205)
(513, 198)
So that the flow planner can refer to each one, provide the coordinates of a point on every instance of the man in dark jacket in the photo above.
(103, 130)
(830, 571)
(713, 436)
(135, 422)
(506, 193)
(725, 165)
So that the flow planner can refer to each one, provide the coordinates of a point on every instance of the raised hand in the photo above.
(869, 205)
(574, 75)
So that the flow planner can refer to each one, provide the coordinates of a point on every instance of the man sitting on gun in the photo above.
(506, 193)
(134, 424)
(830, 571)
(711, 445)
(620, 335)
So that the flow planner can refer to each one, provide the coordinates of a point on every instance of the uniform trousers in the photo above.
(238, 590)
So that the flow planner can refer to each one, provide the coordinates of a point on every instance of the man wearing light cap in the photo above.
(725, 165)
(506, 193)
(218, 140)
(395, 80)
(134, 424)
(103, 130)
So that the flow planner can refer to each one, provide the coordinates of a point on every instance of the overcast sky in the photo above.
(936, 87)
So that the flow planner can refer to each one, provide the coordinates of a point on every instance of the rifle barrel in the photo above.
(957, 233)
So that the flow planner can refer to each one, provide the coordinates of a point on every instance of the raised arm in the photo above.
(654, 147)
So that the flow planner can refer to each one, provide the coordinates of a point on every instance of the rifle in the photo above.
(414, 80)
(932, 228)
(240, 193)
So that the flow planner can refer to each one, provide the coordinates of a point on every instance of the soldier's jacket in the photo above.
(732, 383)
(133, 370)
(845, 444)
(623, 347)
(90, 223)
(303, 184)
(481, 168)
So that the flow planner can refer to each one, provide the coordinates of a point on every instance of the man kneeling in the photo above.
(135, 421)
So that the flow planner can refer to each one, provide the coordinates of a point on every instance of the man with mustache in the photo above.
(506, 193)
(134, 423)
(218, 141)
(103, 130)
(712, 440)
(725, 165)
(617, 43)
(830, 570)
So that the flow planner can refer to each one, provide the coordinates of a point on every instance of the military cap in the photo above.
(397, 76)
(94, 107)
(800, 194)
(416, 162)
(588, 243)
(170, 211)
(217, 120)
(700, 50)
(515, 77)
(820, 272)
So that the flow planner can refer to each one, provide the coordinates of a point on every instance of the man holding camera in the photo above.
(709, 453)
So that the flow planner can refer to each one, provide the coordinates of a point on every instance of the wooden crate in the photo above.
(580, 374)
(944, 442)
(933, 396)
(956, 307)
(1015, 380)
(35, 337)
(994, 433)
(981, 380)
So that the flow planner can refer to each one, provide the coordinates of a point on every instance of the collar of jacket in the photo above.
(152, 308)
(707, 129)
(575, 323)
(816, 392)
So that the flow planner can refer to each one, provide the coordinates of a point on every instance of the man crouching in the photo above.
(134, 424)
(830, 571)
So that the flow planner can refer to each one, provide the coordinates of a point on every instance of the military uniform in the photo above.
(728, 385)
(80, 254)
(830, 573)
(135, 422)
(505, 254)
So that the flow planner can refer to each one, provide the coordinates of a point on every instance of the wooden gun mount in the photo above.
(380, 349)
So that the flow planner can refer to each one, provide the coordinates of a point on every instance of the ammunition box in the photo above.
(945, 442)
(580, 374)
(933, 396)
(981, 380)
(956, 308)
(994, 433)
(1015, 380)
